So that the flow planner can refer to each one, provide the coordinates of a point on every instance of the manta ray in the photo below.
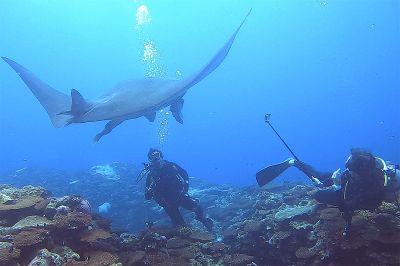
(129, 99)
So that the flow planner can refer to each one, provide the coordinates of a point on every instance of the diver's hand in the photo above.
(317, 183)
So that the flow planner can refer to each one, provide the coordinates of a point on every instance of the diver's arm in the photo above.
(393, 171)
(308, 170)
(182, 172)
(149, 192)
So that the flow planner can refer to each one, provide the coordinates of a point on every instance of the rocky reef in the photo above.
(279, 225)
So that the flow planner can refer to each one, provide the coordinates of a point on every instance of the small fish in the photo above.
(19, 171)
(74, 182)
(104, 208)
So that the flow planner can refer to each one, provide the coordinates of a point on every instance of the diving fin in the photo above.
(269, 173)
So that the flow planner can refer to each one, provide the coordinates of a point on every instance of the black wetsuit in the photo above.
(168, 183)
(327, 195)
(357, 192)
(324, 177)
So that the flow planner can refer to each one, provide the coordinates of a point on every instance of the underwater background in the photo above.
(327, 71)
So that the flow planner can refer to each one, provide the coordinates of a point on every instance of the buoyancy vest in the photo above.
(392, 180)
(168, 182)
(365, 190)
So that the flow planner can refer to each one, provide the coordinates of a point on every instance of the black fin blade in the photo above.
(269, 173)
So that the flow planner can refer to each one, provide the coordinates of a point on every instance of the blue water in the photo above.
(327, 71)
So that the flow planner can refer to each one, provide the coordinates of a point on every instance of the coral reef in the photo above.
(106, 171)
(280, 225)
(30, 236)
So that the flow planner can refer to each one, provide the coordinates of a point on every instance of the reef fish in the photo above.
(104, 208)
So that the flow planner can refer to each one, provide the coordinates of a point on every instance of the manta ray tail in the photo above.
(176, 110)
(53, 101)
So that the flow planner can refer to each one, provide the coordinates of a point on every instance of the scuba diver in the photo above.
(168, 183)
(363, 185)
(366, 182)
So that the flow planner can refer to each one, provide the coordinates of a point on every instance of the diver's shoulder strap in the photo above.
(381, 163)
(183, 176)
(383, 166)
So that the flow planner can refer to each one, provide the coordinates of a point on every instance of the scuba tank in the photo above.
(394, 172)
(393, 176)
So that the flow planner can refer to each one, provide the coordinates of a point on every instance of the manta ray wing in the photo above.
(118, 107)
(53, 101)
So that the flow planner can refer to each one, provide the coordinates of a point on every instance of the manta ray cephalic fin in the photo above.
(151, 116)
(176, 110)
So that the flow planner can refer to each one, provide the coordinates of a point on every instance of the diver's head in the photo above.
(154, 155)
(361, 162)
